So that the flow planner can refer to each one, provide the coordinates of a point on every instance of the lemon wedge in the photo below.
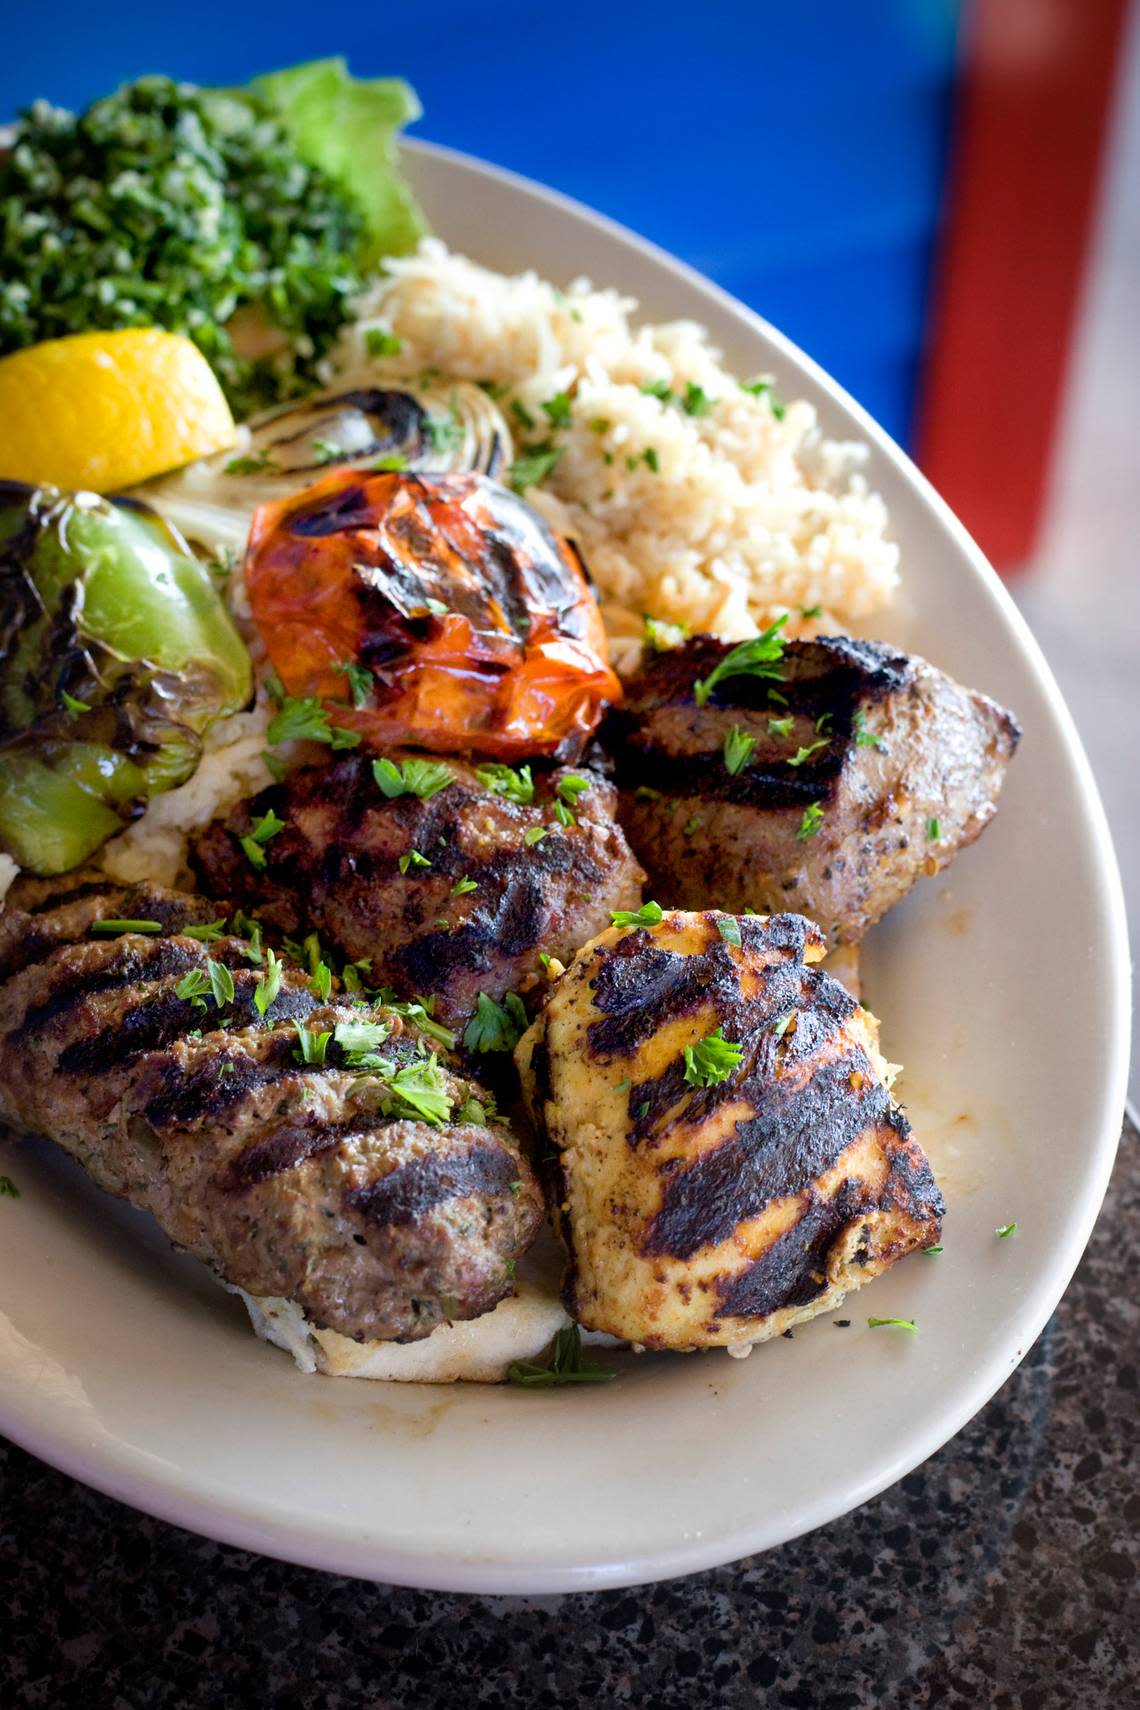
(104, 410)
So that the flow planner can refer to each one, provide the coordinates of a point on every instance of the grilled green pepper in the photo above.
(116, 655)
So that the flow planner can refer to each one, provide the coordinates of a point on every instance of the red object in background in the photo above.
(1030, 131)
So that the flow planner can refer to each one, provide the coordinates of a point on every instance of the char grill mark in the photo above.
(413, 1188)
(793, 1270)
(289, 1146)
(335, 870)
(248, 1159)
(799, 1133)
(880, 746)
(819, 1006)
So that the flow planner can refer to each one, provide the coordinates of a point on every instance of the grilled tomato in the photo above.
(442, 609)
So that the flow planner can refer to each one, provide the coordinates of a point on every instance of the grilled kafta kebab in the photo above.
(302, 1146)
(820, 776)
(447, 878)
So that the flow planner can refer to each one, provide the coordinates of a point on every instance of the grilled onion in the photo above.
(434, 429)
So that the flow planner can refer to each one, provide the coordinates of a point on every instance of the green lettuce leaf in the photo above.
(347, 126)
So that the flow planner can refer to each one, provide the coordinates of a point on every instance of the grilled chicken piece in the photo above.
(322, 1181)
(699, 1215)
(870, 769)
(474, 919)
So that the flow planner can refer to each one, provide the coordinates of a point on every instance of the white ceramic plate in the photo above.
(1003, 988)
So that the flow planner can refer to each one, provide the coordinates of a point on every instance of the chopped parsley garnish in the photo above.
(811, 611)
(420, 1090)
(865, 738)
(435, 607)
(310, 1047)
(8, 1188)
(379, 342)
(761, 389)
(623, 1086)
(567, 791)
(691, 826)
(649, 458)
(534, 834)
(413, 859)
(273, 765)
(517, 786)
(192, 987)
(268, 985)
(567, 1365)
(901, 1323)
(696, 401)
(358, 1038)
(305, 720)
(360, 681)
(738, 748)
(326, 450)
(932, 1252)
(474, 1110)
(422, 778)
(445, 432)
(557, 410)
(649, 914)
(496, 1026)
(783, 1023)
(392, 463)
(533, 467)
(811, 822)
(221, 982)
(805, 752)
(756, 658)
(657, 389)
(570, 788)
(521, 414)
(729, 928)
(250, 931)
(114, 927)
(419, 1012)
(780, 726)
(255, 465)
(208, 933)
(600, 424)
(1006, 1229)
(657, 633)
(259, 834)
(73, 705)
(933, 831)
(712, 1060)
(463, 885)
(495, 389)
(320, 982)
(644, 793)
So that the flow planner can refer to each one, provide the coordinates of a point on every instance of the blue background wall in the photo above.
(794, 152)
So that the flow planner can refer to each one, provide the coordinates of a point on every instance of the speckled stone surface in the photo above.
(1002, 1575)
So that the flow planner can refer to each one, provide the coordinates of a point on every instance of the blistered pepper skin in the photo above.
(117, 655)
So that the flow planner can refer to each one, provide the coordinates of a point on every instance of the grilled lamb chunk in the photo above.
(719, 1200)
(476, 902)
(870, 768)
(326, 1182)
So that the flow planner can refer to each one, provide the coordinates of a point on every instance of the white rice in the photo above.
(745, 516)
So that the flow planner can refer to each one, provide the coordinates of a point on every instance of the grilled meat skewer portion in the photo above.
(729, 1158)
(325, 1152)
(828, 784)
(446, 894)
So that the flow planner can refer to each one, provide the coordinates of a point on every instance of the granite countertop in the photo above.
(1002, 1575)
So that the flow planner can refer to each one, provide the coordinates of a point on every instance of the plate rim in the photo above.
(126, 1476)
